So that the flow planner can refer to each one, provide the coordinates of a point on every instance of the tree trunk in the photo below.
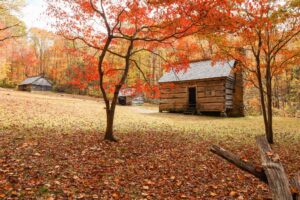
(262, 97)
(110, 116)
(111, 107)
(110, 113)
(269, 104)
(270, 121)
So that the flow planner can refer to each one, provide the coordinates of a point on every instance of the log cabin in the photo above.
(203, 88)
(36, 83)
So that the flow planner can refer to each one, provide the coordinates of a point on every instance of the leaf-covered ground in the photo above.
(51, 147)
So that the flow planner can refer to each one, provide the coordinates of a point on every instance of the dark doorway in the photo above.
(122, 101)
(192, 97)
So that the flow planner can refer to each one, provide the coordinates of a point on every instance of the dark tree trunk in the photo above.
(269, 105)
(110, 116)
(109, 126)
(266, 103)
(262, 96)
(111, 107)
(109, 112)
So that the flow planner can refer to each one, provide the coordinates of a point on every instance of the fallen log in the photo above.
(271, 172)
(237, 161)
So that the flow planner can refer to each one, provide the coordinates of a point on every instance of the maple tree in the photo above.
(261, 37)
(124, 29)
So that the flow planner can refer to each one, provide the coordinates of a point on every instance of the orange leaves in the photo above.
(86, 6)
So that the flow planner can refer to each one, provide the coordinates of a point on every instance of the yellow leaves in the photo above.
(37, 154)
(57, 182)
(183, 196)
(213, 194)
(145, 194)
(4, 70)
(76, 178)
(146, 187)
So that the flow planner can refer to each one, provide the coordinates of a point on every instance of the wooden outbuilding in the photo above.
(125, 96)
(129, 96)
(203, 88)
(36, 83)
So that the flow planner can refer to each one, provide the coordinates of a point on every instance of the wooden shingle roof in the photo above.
(200, 70)
(37, 80)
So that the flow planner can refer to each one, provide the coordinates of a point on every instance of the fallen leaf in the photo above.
(212, 194)
(145, 187)
(233, 194)
(37, 154)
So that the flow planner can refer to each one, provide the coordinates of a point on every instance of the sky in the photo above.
(32, 14)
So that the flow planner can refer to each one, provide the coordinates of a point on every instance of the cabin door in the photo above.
(192, 97)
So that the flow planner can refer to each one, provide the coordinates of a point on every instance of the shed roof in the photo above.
(37, 80)
(126, 92)
(200, 70)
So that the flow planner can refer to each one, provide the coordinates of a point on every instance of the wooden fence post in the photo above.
(277, 179)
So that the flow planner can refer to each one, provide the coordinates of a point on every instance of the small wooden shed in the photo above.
(36, 83)
(125, 96)
(202, 88)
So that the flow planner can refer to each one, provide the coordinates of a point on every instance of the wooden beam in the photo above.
(245, 166)
(277, 179)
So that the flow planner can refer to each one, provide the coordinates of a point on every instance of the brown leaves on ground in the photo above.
(151, 166)
(51, 148)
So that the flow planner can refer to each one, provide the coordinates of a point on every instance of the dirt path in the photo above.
(143, 110)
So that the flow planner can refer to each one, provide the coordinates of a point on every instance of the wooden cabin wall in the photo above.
(230, 90)
(237, 109)
(173, 97)
(40, 88)
(24, 88)
(210, 95)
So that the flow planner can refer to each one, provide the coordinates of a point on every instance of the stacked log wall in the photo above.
(236, 108)
(211, 95)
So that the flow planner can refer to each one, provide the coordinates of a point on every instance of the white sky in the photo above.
(33, 15)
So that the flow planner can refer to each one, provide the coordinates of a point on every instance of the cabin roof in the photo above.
(126, 92)
(36, 80)
(199, 70)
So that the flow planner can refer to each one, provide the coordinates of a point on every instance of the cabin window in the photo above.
(209, 92)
